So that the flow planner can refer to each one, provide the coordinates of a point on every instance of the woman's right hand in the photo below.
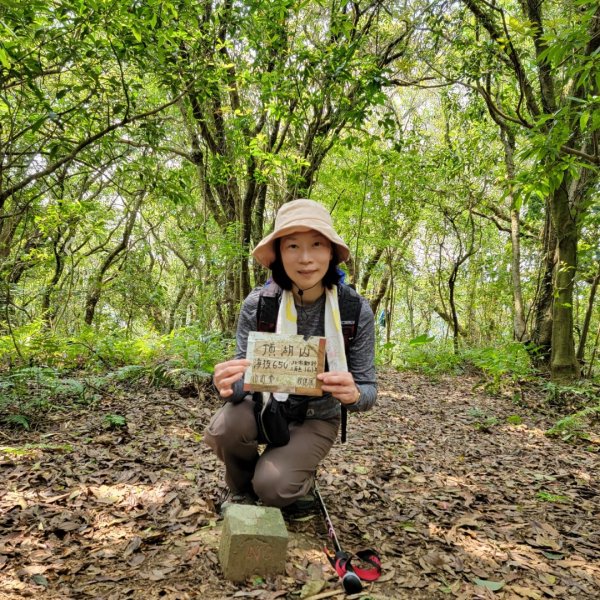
(227, 373)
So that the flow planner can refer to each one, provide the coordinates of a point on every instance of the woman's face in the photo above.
(305, 257)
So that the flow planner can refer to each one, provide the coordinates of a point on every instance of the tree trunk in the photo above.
(541, 335)
(410, 307)
(563, 359)
(8, 227)
(258, 230)
(463, 255)
(59, 256)
(369, 267)
(381, 292)
(588, 318)
(440, 312)
(95, 290)
(248, 204)
(453, 313)
(519, 324)
(12, 271)
(175, 306)
(593, 356)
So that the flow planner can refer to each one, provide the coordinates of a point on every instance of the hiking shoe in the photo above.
(237, 498)
(303, 505)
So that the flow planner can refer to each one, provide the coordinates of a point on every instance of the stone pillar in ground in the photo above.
(253, 542)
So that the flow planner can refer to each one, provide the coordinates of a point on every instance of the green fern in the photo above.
(505, 364)
(129, 373)
(560, 395)
(114, 421)
(574, 425)
(19, 420)
(423, 354)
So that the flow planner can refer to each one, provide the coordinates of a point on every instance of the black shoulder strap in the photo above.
(350, 305)
(268, 308)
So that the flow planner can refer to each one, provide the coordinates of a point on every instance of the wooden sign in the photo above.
(284, 363)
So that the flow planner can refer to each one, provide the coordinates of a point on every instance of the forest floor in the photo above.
(461, 499)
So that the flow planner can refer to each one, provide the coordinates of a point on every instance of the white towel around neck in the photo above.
(287, 322)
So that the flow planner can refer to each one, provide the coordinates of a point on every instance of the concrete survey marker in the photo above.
(253, 542)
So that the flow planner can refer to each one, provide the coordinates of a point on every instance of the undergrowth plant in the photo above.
(501, 365)
(423, 354)
(577, 394)
(185, 348)
(482, 421)
(112, 421)
(41, 371)
(188, 357)
(583, 399)
(27, 394)
(550, 497)
(575, 425)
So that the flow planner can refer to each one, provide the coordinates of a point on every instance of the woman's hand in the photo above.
(340, 384)
(227, 373)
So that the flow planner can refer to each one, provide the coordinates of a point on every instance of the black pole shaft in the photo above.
(350, 580)
(330, 528)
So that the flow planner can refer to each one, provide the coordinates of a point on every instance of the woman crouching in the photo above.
(302, 253)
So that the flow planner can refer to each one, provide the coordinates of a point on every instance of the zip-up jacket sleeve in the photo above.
(246, 324)
(361, 359)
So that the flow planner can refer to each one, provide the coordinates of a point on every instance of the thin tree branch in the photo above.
(81, 146)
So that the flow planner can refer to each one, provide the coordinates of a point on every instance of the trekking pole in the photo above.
(341, 561)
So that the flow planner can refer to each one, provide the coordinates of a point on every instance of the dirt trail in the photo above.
(461, 499)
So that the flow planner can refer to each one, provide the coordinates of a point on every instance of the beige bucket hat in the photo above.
(299, 215)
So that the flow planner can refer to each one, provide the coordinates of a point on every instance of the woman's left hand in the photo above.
(340, 384)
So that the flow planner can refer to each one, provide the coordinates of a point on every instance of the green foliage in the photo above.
(500, 365)
(120, 348)
(580, 393)
(33, 343)
(483, 422)
(191, 348)
(187, 358)
(422, 354)
(22, 344)
(183, 359)
(583, 399)
(549, 497)
(114, 421)
(128, 373)
(27, 394)
(17, 420)
(185, 348)
(575, 426)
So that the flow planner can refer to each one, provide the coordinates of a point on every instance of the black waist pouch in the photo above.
(273, 419)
